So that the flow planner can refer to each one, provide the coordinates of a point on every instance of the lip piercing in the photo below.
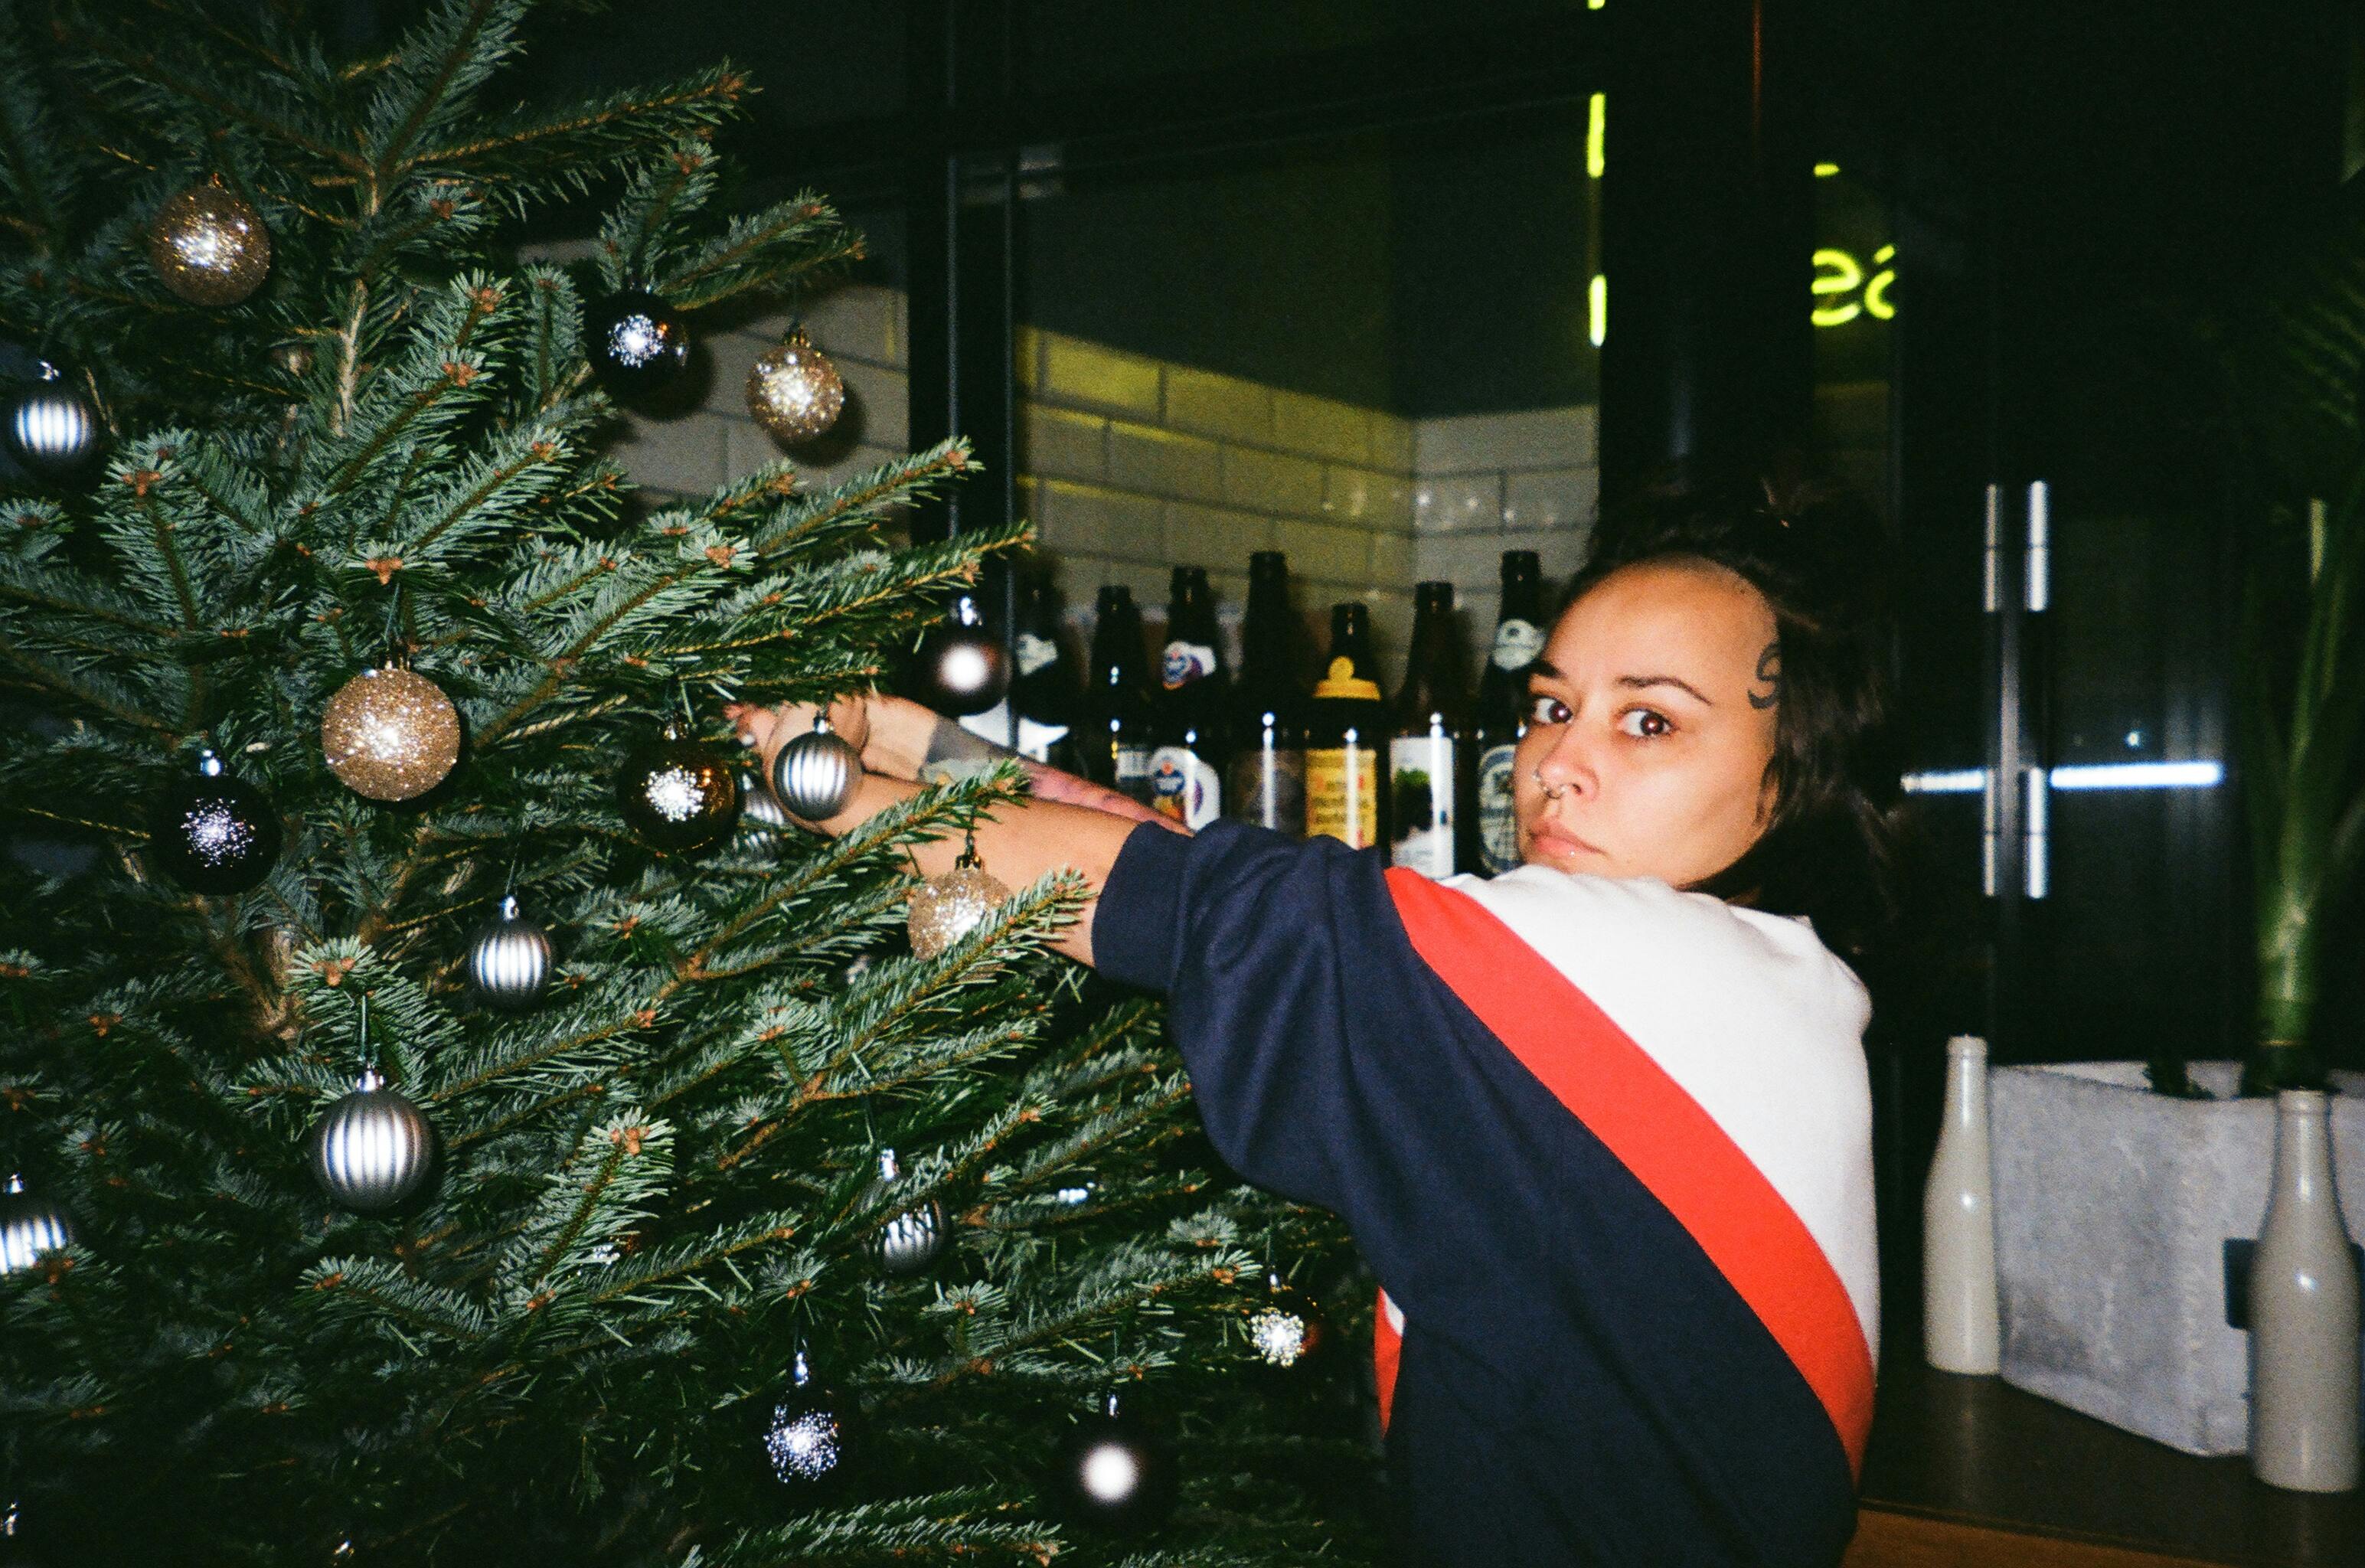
(1550, 793)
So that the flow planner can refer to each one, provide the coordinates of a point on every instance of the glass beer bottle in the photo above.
(1265, 783)
(1502, 709)
(1115, 729)
(1426, 754)
(1346, 738)
(1044, 692)
(1186, 759)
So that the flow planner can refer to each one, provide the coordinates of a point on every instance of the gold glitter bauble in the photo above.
(946, 909)
(390, 734)
(209, 247)
(793, 391)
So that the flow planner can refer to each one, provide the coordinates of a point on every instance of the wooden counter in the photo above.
(1967, 1471)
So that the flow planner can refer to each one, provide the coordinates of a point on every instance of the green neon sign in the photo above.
(1842, 292)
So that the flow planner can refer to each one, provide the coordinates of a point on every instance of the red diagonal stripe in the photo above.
(1660, 1134)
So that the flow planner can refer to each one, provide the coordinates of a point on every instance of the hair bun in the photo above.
(1826, 543)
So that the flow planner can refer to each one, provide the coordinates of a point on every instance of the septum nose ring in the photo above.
(1550, 793)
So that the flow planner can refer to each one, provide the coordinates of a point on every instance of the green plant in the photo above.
(2299, 364)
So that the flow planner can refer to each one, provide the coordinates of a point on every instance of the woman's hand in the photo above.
(766, 730)
(903, 740)
(1070, 824)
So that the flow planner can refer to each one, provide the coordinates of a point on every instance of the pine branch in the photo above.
(529, 156)
(443, 60)
(141, 70)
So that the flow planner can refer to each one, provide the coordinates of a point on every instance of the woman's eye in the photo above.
(1649, 716)
(1545, 709)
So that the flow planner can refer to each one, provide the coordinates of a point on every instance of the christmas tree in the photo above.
(449, 1114)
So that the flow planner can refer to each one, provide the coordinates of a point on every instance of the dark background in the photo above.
(1382, 202)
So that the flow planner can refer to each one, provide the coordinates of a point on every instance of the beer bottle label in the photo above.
(1516, 643)
(1498, 828)
(1133, 772)
(1184, 787)
(1183, 663)
(1035, 740)
(1268, 789)
(1342, 793)
(1421, 777)
(1035, 651)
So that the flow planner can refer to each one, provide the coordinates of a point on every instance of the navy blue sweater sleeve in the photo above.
(1239, 927)
(1268, 947)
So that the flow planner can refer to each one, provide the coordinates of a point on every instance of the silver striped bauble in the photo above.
(813, 774)
(29, 1225)
(508, 960)
(911, 1241)
(373, 1148)
(52, 429)
(757, 805)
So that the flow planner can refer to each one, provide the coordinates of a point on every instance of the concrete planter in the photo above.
(2114, 1206)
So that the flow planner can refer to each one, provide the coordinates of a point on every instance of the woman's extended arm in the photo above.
(1070, 824)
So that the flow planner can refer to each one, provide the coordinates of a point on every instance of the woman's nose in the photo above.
(1568, 764)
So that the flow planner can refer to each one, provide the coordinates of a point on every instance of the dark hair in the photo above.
(1822, 560)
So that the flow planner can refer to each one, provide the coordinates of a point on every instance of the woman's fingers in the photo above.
(766, 730)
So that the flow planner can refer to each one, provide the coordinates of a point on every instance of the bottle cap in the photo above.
(1966, 1045)
(1342, 681)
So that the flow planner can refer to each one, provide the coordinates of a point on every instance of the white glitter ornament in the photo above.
(945, 909)
(678, 794)
(1279, 1336)
(390, 733)
(793, 391)
(806, 1439)
(212, 833)
(1285, 1330)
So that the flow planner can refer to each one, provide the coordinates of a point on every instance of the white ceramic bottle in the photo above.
(1960, 1331)
(2304, 1326)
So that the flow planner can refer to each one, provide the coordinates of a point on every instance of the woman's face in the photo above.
(1650, 726)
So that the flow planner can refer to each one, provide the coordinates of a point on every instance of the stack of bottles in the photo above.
(1427, 773)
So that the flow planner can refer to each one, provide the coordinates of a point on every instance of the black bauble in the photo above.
(961, 668)
(636, 345)
(678, 794)
(1285, 1330)
(53, 431)
(1115, 1473)
(808, 1439)
(213, 833)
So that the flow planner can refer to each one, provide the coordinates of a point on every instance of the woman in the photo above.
(1601, 1126)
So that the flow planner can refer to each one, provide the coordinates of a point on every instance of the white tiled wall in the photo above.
(1130, 466)
(1486, 483)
